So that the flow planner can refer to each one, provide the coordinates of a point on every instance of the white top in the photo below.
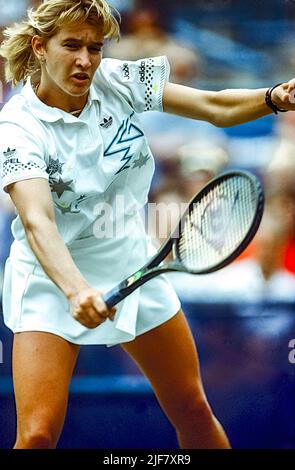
(90, 159)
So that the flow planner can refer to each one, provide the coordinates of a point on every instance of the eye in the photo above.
(72, 46)
(95, 50)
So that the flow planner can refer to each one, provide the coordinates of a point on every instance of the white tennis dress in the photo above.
(99, 167)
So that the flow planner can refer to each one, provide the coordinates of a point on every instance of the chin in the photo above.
(77, 93)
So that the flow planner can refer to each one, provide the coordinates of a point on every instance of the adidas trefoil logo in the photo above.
(106, 123)
(9, 153)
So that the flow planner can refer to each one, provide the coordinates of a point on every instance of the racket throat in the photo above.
(130, 284)
(126, 287)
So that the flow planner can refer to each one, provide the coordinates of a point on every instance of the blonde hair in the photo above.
(45, 21)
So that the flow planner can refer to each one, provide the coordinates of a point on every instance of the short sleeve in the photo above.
(22, 154)
(141, 82)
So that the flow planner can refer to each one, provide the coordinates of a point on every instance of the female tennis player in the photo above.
(71, 148)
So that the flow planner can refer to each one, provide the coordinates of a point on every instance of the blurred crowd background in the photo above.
(243, 343)
(211, 44)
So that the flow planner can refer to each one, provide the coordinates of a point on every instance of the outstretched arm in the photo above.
(227, 107)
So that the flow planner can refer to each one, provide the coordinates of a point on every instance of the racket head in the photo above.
(219, 223)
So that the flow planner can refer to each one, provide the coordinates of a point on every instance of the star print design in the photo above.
(69, 209)
(60, 186)
(141, 161)
(54, 166)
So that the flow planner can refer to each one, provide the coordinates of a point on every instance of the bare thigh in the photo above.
(43, 364)
(167, 355)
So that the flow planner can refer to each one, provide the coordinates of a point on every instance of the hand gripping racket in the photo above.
(218, 224)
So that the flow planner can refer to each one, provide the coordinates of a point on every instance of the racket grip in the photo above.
(113, 297)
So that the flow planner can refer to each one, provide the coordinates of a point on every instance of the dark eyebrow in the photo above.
(79, 41)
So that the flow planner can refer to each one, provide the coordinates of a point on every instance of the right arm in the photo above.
(33, 201)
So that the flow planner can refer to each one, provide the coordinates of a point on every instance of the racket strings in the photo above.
(217, 224)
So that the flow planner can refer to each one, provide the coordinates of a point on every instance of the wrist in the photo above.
(270, 103)
(74, 290)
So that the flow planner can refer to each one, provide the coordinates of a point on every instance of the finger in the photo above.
(291, 97)
(112, 313)
(105, 314)
(286, 97)
(94, 315)
(81, 318)
(100, 306)
(89, 323)
(83, 321)
(289, 89)
(292, 81)
(89, 318)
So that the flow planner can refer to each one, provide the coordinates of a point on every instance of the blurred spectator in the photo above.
(259, 277)
(168, 134)
(200, 160)
(164, 209)
(185, 174)
(147, 38)
(280, 185)
(123, 5)
(11, 11)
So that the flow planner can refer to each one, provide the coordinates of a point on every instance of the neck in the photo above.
(58, 99)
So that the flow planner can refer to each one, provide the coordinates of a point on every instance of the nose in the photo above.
(83, 58)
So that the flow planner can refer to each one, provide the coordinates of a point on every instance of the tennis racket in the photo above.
(218, 224)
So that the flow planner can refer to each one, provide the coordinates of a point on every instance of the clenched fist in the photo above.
(88, 308)
(283, 96)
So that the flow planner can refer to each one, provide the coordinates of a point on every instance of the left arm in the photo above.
(227, 107)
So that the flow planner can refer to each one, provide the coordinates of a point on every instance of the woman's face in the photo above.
(71, 58)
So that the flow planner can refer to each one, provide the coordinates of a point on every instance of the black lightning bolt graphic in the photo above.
(126, 134)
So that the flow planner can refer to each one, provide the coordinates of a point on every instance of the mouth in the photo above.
(80, 78)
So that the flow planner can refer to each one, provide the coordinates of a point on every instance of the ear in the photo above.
(38, 46)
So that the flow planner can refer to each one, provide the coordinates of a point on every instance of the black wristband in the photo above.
(270, 103)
